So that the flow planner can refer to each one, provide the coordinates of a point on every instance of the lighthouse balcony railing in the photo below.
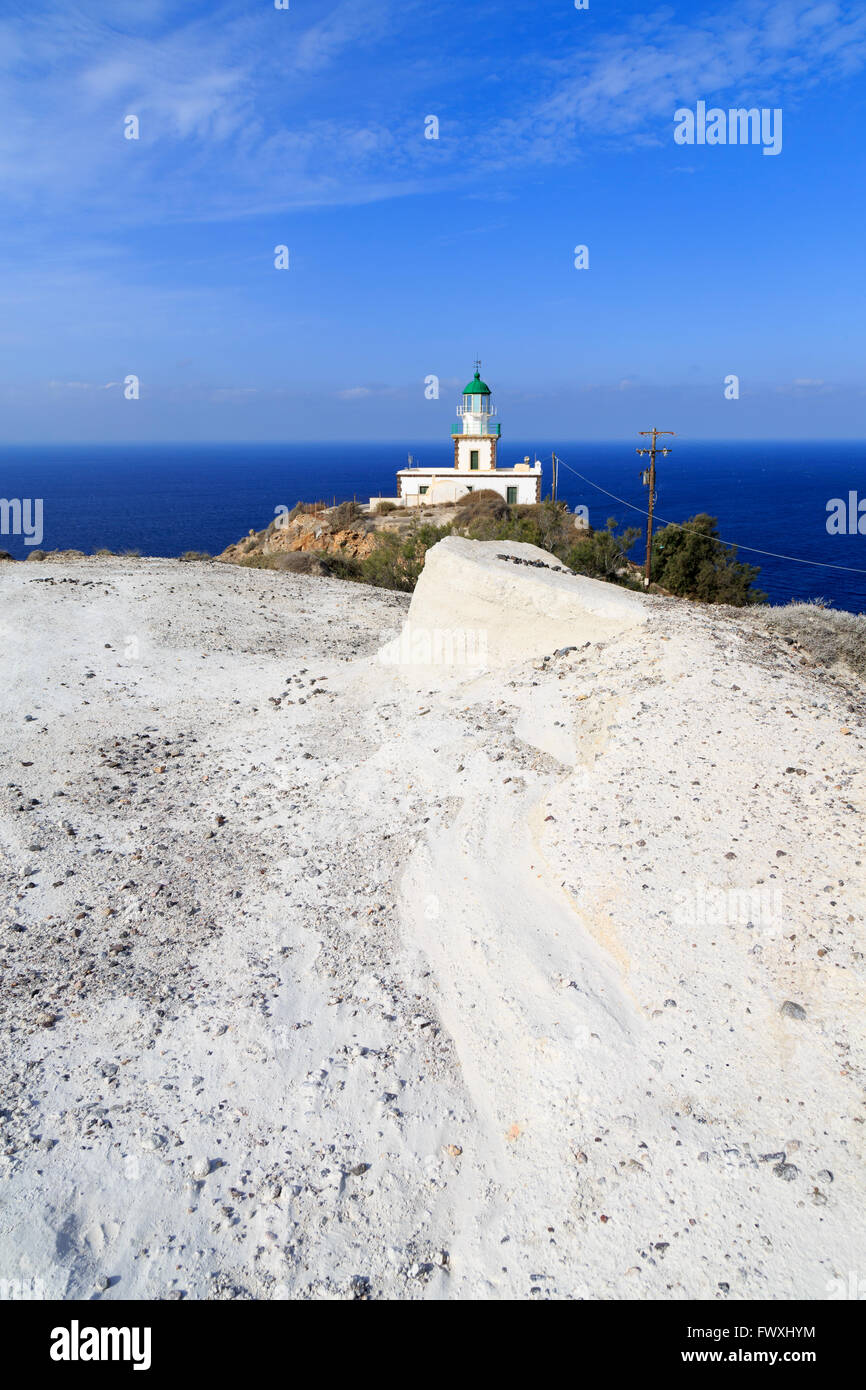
(486, 431)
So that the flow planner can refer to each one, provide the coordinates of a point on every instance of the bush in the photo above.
(196, 555)
(343, 515)
(346, 567)
(383, 507)
(397, 561)
(692, 562)
(554, 522)
(548, 525)
(483, 494)
(298, 562)
(603, 554)
(303, 509)
(481, 513)
(256, 561)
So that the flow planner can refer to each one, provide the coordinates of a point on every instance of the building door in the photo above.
(511, 494)
(473, 458)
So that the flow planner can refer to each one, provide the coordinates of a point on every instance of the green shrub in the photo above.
(196, 555)
(692, 562)
(346, 567)
(397, 561)
(602, 554)
(548, 525)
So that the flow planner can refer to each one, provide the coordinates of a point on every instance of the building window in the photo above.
(470, 489)
(511, 495)
(422, 490)
(473, 458)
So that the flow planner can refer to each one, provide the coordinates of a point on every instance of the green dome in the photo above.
(476, 387)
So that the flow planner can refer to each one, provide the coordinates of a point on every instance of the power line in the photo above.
(796, 559)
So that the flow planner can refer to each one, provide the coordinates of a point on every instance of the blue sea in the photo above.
(166, 499)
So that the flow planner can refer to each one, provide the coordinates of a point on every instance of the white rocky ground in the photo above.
(328, 976)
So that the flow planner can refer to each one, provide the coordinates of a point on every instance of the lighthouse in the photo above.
(475, 435)
(476, 443)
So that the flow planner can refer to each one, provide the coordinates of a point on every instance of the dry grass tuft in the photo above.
(830, 637)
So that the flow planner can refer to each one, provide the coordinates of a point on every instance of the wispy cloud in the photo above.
(82, 385)
(119, 256)
(242, 109)
(360, 393)
(232, 113)
(628, 84)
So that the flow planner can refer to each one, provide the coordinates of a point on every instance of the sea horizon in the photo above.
(167, 498)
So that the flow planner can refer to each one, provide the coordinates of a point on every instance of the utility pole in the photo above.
(555, 462)
(649, 480)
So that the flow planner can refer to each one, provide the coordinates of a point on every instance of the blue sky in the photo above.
(306, 127)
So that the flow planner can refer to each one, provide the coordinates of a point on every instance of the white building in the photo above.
(476, 445)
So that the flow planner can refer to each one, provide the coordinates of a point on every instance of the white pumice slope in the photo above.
(332, 969)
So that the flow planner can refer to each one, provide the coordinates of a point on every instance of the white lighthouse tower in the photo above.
(475, 437)
(476, 442)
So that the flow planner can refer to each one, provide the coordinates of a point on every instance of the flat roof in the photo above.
(520, 471)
